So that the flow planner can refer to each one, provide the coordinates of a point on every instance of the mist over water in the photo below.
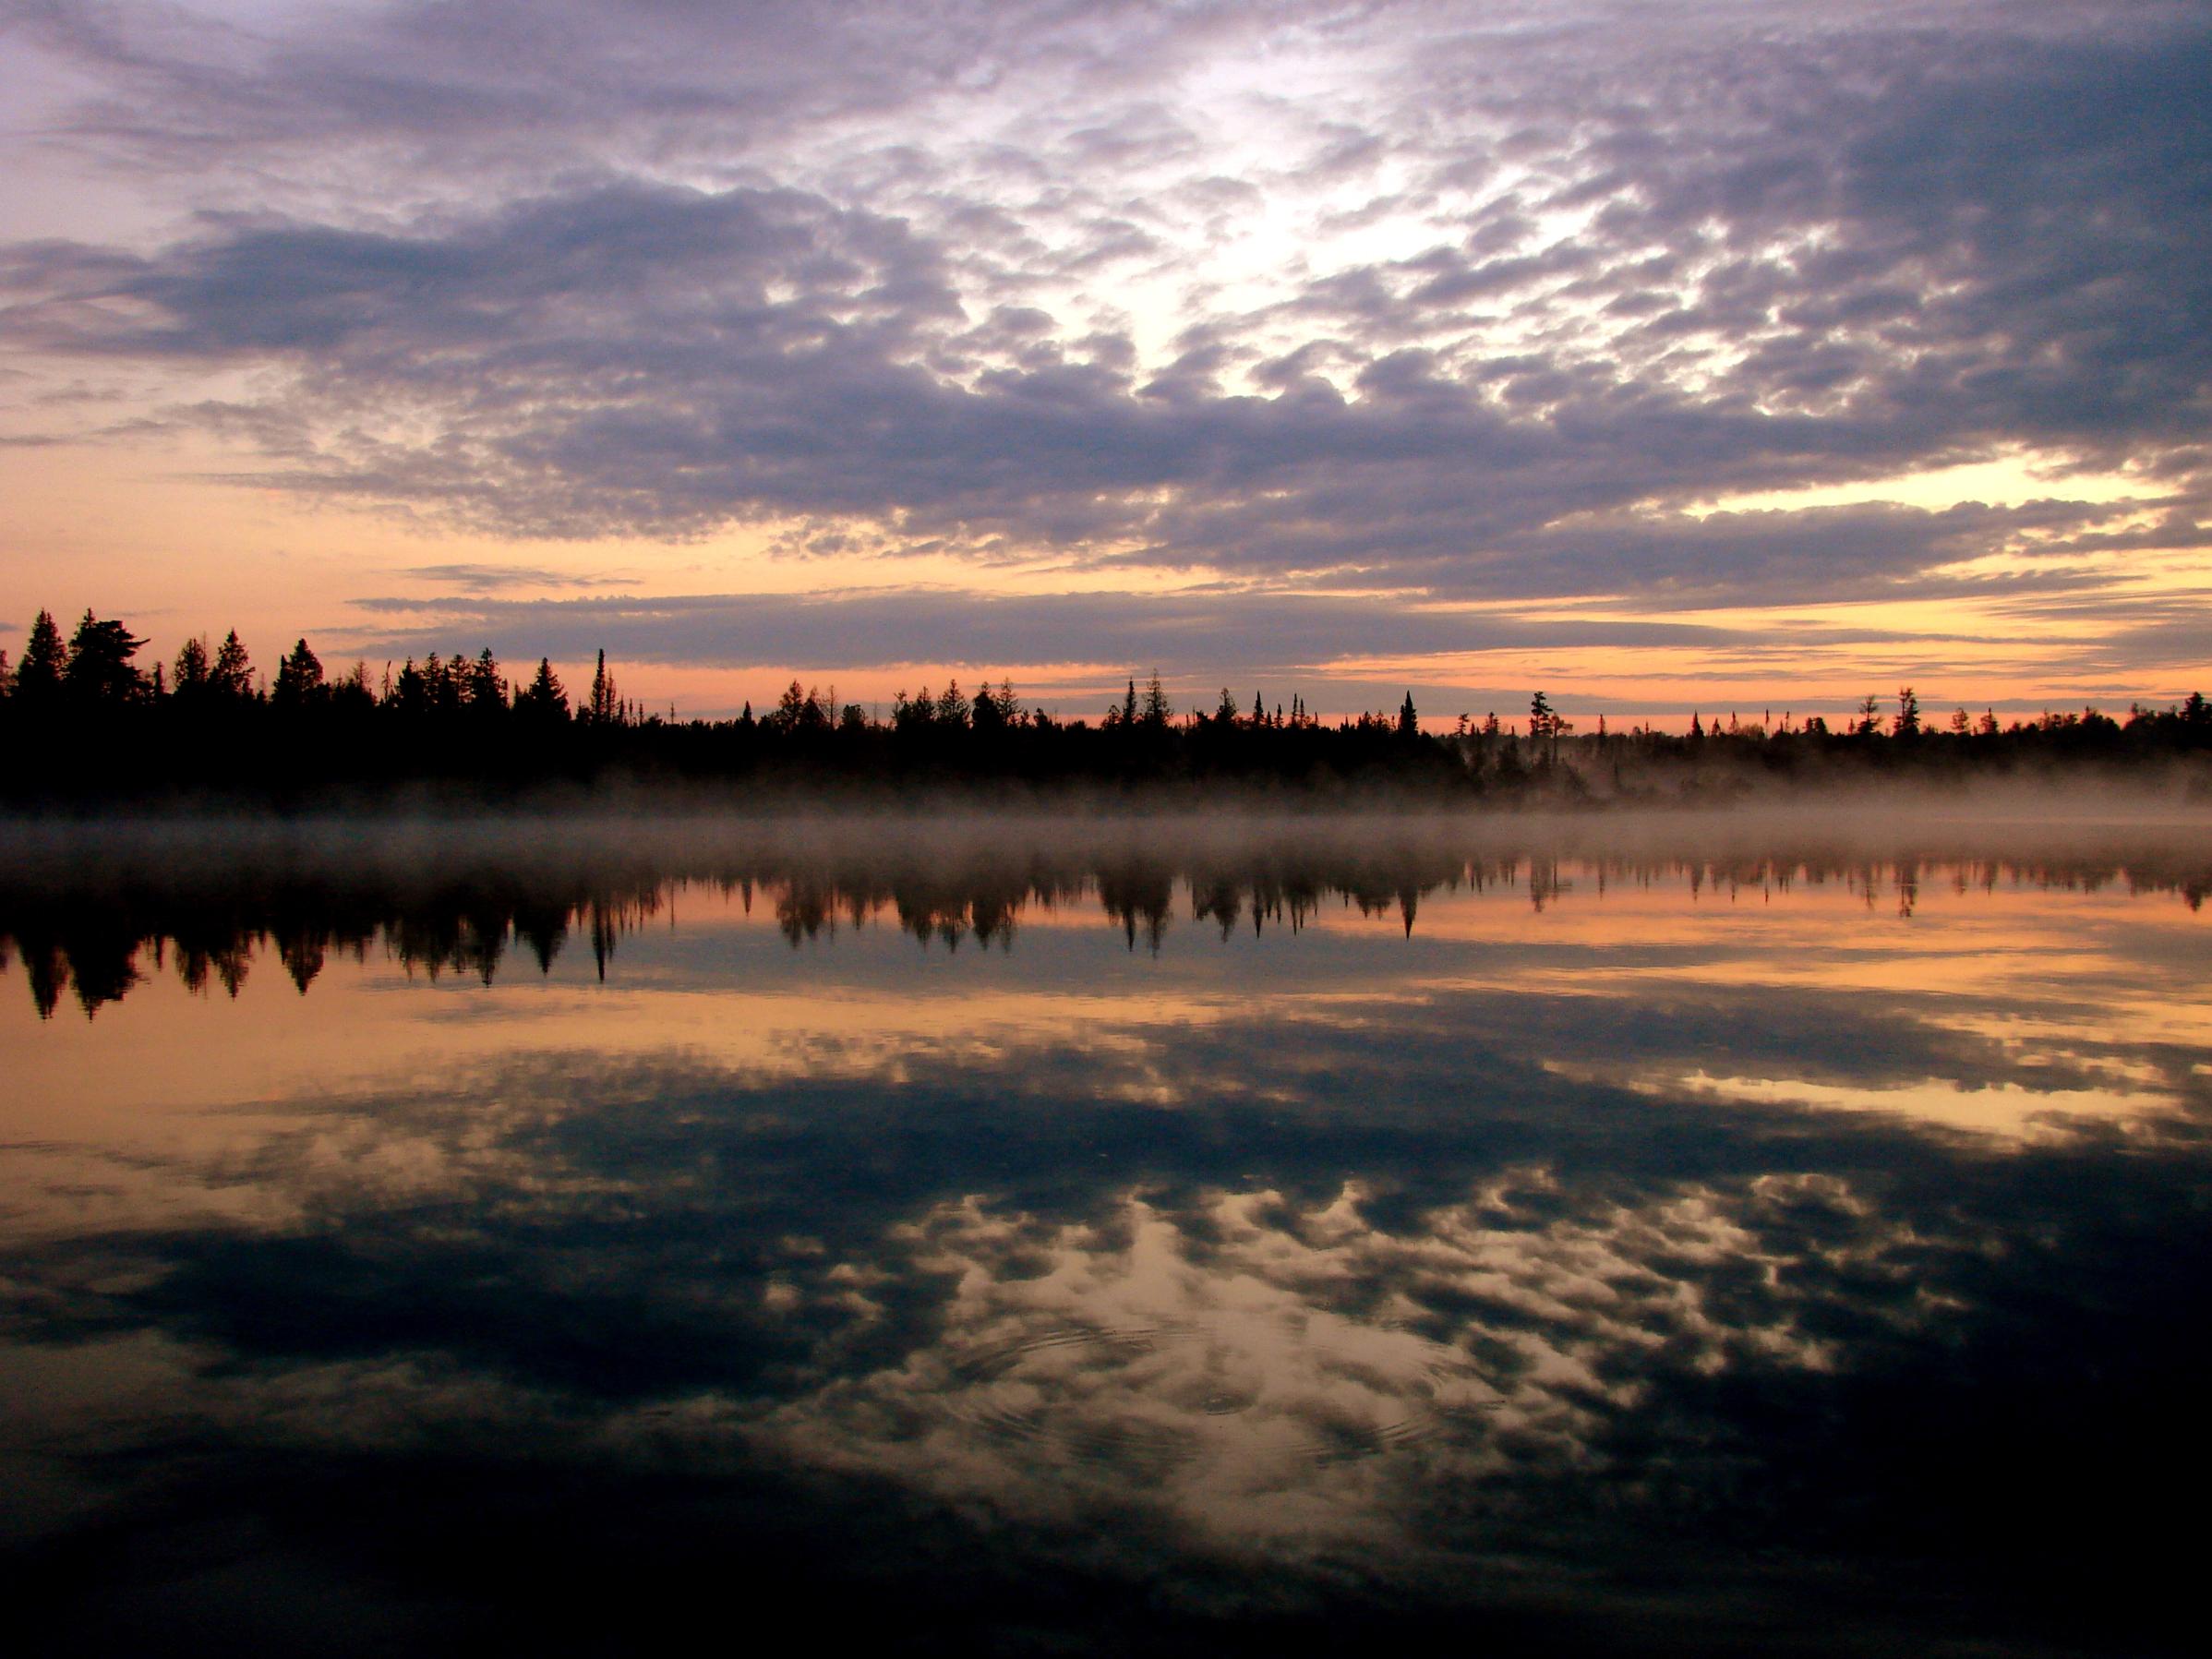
(1547, 1234)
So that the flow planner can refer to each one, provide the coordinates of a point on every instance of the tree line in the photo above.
(85, 721)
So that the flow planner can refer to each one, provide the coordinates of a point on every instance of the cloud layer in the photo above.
(1398, 296)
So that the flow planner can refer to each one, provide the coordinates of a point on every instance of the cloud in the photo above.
(2129, 637)
(1441, 306)
(495, 578)
(1200, 632)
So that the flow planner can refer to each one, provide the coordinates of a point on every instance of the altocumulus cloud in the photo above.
(1012, 280)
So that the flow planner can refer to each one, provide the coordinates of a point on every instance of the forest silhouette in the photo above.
(86, 724)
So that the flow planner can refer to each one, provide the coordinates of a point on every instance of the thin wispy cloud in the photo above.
(472, 579)
(1179, 633)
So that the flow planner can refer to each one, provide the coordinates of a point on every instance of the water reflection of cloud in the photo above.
(1456, 1063)
(1272, 1378)
(1337, 1315)
(1100, 1367)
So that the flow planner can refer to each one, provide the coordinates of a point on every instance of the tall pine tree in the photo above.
(99, 672)
(39, 676)
(232, 673)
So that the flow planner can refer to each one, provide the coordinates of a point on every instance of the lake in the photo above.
(1696, 1235)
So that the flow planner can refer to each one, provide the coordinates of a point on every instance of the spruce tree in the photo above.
(544, 701)
(605, 708)
(39, 676)
(409, 695)
(192, 669)
(442, 683)
(299, 678)
(232, 673)
(99, 670)
(790, 708)
(486, 687)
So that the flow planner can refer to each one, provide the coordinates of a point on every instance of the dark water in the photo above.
(1183, 1239)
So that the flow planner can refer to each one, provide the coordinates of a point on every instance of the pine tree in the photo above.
(39, 675)
(190, 678)
(351, 691)
(483, 687)
(544, 702)
(605, 709)
(442, 681)
(407, 694)
(299, 678)
(98, 669)
(232, 673)
(790, 708)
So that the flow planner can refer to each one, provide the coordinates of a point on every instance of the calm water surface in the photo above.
(1079, 1238)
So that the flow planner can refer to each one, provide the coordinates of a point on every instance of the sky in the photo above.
(1661, 357)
